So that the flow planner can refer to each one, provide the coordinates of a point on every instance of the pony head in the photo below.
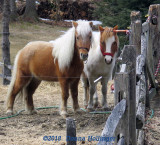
(83, 37)
(108, 43)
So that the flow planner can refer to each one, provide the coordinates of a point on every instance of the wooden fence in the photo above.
(135, 83)
(6, 67)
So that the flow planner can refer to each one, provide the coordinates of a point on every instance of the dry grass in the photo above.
(23, 32)
(29, 130)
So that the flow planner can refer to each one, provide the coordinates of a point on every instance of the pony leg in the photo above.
(14, 89)
(28, 95)
(95, 98)
(74, 94)
(92, 89)
(85, 85)
(65, 95)
(104, 93)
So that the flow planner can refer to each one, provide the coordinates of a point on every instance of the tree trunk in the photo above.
(30, 13)
(13, 8)
(1, 5)
(6, 43)
(57, 10)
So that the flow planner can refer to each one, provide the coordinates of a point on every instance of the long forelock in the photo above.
(83, 28)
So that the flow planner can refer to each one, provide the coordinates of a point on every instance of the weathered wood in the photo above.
(147, 91)
(142, 89)
(145, 27)
(136, 28)
(140, 138)
(5, 42)
(152, 93)
(121, 82)
(141, 59)
(137, 94)
(70, 132)
(140, 116)
(123, 68)
(121, 141)
(154, 36)
(129, 57)
(113, 121)
(151, 76)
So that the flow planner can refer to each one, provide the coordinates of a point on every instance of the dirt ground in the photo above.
(30, 129)
(152, 126)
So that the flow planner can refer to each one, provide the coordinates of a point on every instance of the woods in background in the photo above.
(117, 12)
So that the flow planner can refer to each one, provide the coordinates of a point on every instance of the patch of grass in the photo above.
(23, 32)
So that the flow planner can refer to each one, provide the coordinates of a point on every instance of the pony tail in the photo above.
(13, 79)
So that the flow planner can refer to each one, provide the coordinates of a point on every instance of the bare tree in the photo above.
(13, 8)
(30, 11)
(57, 10)
(1, 5)
(6, 43)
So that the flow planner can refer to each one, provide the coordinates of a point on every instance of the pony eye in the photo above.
(90, 37)
(77, 38)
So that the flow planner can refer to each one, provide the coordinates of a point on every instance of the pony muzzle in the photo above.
(83, 56)
(108, 59)
(84, 53)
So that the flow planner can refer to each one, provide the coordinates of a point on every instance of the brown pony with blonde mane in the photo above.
(60, 60)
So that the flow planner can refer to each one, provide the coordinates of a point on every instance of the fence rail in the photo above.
(137, 92)
(135, 83)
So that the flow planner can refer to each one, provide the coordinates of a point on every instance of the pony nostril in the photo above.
(108, 61)
(84, 56)
(105, 60)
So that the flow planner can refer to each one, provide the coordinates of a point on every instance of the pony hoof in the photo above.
(97, 105)
(64, 114)
(9, 112)
(32, 112)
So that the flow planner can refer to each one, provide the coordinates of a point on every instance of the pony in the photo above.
(100, 63)
(59, 60)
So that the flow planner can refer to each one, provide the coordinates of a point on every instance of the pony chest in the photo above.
(98, 69)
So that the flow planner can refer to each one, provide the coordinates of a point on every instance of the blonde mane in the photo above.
(63, 47)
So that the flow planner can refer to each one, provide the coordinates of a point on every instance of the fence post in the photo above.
(71, 132)
(154, 37)
(136, 28)
(5, 43)
(129, 58)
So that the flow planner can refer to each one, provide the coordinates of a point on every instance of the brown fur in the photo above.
(36, 63)
(105, 34)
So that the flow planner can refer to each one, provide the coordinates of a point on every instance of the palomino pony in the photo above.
(101, 61)
(60, 60)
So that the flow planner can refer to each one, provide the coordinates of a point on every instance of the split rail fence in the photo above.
(134, 84)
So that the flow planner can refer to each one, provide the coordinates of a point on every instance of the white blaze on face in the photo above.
(109, 42)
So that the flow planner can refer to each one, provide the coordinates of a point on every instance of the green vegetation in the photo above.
(117, 12)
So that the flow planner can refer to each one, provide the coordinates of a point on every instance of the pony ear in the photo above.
(115, 28)
(101, 29)
(91, 24)
(75, 24)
